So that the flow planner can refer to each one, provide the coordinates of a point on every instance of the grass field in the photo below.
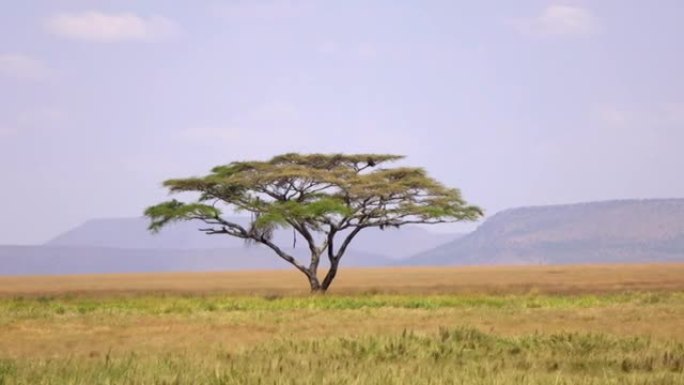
(522, 325)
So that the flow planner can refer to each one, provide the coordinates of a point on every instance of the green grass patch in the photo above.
(49, 307)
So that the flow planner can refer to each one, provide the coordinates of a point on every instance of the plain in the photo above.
(493, 325)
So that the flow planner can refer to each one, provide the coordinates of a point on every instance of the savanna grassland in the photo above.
(498, 325)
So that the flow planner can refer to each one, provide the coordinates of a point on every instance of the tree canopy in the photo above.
(326, 198)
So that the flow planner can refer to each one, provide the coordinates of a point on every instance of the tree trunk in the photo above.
(315, 284)
(330, 276)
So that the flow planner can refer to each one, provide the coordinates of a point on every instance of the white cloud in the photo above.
(674, 113)
(212, 133)
(559, 20)
(111, 27)
(273, 112)
(41, 118)
(328, 48)
(363, 50)
(33, 120)
(278, 127)
(366, 51)
(257, 9)
(254, 141)
(6, 131)
(23, 67)
(614, 116)
(272, 122)
(662, 116)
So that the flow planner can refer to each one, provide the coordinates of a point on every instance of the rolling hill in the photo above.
(626, 231)
(596, 232)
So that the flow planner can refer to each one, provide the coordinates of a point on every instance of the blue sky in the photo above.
(516, 103)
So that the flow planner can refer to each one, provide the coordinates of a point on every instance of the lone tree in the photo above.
(326, 198)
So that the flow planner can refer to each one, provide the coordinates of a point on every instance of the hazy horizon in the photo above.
(456, 229)
(517, 104)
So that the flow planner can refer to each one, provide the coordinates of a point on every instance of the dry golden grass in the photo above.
(527, 325)
(423, 280)
(162, 319)
(96, 334)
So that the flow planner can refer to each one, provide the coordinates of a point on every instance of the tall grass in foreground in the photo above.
(451, 356)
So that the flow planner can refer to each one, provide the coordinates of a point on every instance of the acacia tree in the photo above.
(326, 198)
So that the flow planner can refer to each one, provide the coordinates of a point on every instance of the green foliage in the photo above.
(318, 188)
(167, 212)
(281, 213)
(314, 193)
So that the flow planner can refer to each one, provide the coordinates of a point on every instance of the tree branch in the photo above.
(330, 243)
(313, 248)
(346, 242)
(285, 256)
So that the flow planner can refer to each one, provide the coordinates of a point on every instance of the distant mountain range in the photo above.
(122, 245)
(598, 232)
(131, 233)
(57, 260)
